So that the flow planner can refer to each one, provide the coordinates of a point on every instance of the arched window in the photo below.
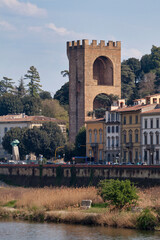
(108, 142)
(95, 135)
(124, 136)
(145, 138)
(90, 136)
(112, 142)
(151, 138)
(100, 136)
(136, 135)
(157, 137)
(130, 136)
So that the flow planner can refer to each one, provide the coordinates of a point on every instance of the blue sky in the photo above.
(35, 32)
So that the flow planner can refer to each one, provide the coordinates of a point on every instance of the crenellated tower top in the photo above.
(94, 44)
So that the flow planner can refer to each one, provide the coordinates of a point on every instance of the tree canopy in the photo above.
(43, 140)
(34, 83)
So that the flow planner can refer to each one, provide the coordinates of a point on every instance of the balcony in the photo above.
(129, 145)
(94, 145)
(150, 147)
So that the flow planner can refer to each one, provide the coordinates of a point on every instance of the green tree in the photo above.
(45, 95)
(36, 141)
(118, 193)
(52, 108)
(135, 66)
(34, 84)
(7, 85)
(69, 151)
(31, 105)
(55, 136)
(128, 82)
(62, 95)
(12, 134)
(21, 91)
(80, 142)
(10, 104)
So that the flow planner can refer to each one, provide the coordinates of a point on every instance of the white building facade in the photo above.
(112, 136)
(150, 137)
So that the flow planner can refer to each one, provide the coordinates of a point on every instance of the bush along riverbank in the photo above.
(63, 205)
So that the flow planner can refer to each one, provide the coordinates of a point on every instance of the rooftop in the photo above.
(25, 118)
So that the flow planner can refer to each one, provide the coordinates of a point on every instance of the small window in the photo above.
(130, 119)
(145, 123)
(157, 122)
(136, 137)
(124, 120)
(5, 129)
(157, 155)
(145, 155)
(145, 139)
(112, 129)
(136, 119)
(117, 129)
(157, 138)
(108, 129)
(151, 123)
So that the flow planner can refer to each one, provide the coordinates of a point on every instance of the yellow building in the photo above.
(131, 132)
(95, 139)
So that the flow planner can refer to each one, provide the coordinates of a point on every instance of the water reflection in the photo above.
(32, 231)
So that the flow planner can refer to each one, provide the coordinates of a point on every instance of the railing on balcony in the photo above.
(94, 145)
(129, 145)
(150, 147)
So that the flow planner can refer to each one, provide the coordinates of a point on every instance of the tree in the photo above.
(135, 66)
(65, 73)
(6, 85)
(34, 84)
(36, 141)
(128, 82)
(62, 95)
(52, 108)
(55, 136)
(12, 134)
(69, 151)
(10, 104)
(21, 91)
(45, 95)
(80, 142)
(31, 105)
(147, 84)
(118, 193)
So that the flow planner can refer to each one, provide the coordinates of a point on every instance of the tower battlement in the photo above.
(94, 44)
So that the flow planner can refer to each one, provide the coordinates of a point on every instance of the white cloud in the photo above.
(6, 26)
(27, 9)
(60, 31)
(131, 52)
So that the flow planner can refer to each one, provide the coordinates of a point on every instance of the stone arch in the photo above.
(103, 71)
(101, 100)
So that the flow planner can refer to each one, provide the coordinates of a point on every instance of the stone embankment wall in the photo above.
(76, 175)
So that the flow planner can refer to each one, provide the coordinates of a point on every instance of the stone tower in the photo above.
(93, 69)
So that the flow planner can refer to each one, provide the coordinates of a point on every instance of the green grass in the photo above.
(11, 204)
(100, 205)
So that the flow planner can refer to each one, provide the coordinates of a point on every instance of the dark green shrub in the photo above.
(146, 220)
(118, 193)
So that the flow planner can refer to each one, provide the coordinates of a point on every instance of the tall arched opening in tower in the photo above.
(103, 71)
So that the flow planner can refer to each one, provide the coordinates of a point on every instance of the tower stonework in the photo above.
(93, 69)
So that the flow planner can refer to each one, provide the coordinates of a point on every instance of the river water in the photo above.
(38, 231)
